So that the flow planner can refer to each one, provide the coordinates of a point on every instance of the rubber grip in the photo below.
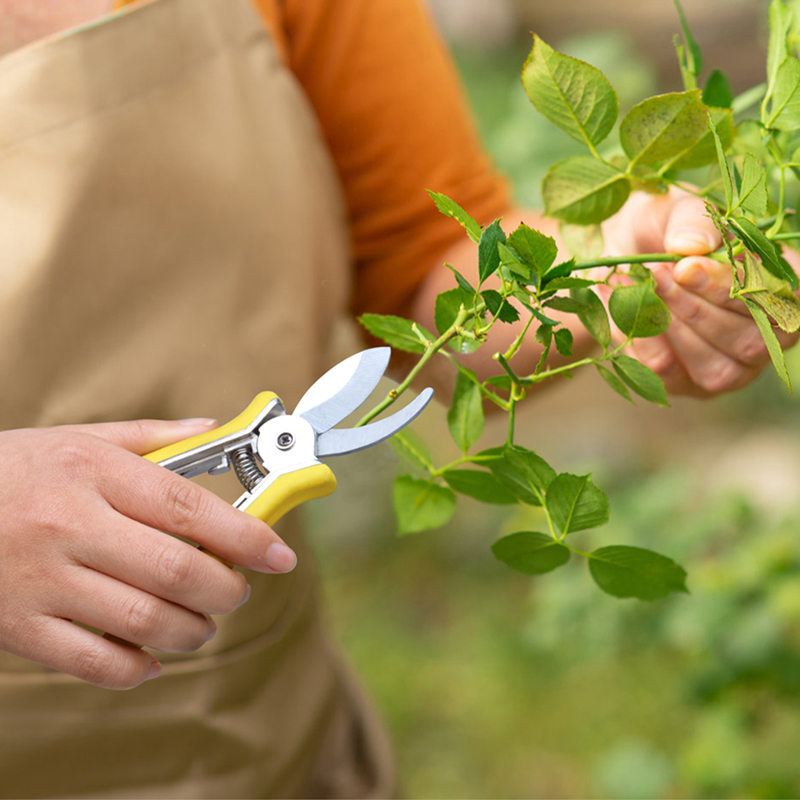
(260, 402)
(290, 490)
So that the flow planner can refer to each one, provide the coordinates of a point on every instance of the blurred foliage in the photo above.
(499, 685)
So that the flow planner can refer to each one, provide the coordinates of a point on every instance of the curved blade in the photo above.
(343, 388)
(349, 440)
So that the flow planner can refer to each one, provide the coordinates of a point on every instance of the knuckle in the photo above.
(184, 504)
(94, 665)
(173, 566)
(75, 455)
(142, 617)
(692, 312)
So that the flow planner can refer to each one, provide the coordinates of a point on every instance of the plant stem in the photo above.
(615, 261)
(537, 377)
(430, 352)
(575, 549)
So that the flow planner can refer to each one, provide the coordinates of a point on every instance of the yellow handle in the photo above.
(286, 492)
(291, 489)
(260, 402)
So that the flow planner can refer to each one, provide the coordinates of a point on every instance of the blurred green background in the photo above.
(495, 684)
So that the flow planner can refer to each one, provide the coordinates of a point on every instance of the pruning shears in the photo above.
(276, 455)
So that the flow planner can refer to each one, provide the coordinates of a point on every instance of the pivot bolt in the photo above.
(285, 441)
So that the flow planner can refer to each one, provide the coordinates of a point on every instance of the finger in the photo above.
(145, 435)
(63, 646)
(129, 613)
(733, 334)
(709, 368)
(707, 278)
(160, 499)
(162, 566)
(689, 230)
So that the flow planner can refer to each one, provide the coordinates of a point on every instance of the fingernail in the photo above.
(691, 275)
(280, 558)
(195, 421)
(247, 594)
(213, 630)
(691, 242)
(155, 671)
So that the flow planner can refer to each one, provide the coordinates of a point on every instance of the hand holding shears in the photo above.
(276, 455)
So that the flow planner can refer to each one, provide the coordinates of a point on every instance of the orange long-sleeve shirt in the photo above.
(395, 119)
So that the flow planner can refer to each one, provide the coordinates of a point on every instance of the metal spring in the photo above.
(246, 468)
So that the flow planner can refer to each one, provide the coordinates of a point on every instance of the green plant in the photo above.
(748, 148)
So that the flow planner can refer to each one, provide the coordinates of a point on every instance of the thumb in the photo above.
(689, 231)
(142, 436)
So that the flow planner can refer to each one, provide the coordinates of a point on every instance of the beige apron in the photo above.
(173, 241)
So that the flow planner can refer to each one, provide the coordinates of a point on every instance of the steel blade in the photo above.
(343, 388)
(349, 440)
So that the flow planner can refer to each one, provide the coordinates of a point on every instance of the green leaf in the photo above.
(723, 163)
(753, 191)
(493, 300)
(462, 282)
(544, 335)
(773, 295)
(593, 316)
(502, 382)
(784, 107)
(704, 151)
(614, 382)
(563, 340)
(583, 241)
(575, 96)
(561, 270)
(770, 340)
(465, 417)
(531, 553)
(396, 331)
(638, 311)
(499, 307)
(523, 472)
(575, 503)
(780, 23)
(624, 571)
(641, 379)
(662, 127)
(453, 210)
(511, 261)
(584, 191)
(448, 304)
(717, 91)
(421, 505)
(755, 241)
(410, 447)
(693, 57)
(534, 248)
(565, 304)
(481, 485)
(488, 254)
